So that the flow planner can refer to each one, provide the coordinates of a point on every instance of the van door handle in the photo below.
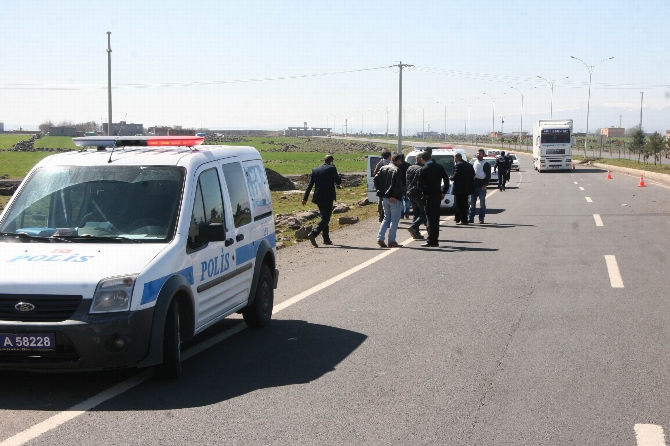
(229, 242)
(239, 237)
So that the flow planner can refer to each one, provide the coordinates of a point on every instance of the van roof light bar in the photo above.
(103, 142)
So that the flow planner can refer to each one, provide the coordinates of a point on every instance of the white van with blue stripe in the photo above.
(115, 255)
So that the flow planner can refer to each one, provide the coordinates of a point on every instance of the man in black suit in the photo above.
(323, 179)
(464, 186)
(434, 182)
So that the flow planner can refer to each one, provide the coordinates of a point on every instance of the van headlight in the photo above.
(113, 294)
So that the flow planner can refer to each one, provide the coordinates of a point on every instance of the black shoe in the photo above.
(430, 245)
(471, 221)
(327, 242)
(312, 238)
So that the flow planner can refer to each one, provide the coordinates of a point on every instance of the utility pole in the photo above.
(522, 95)
(400, 66)
(423, 123)
(346, 127)
(445, 120)
(620, 116)
(641, 98)
(110, 131)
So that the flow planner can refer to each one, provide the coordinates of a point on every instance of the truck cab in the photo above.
(552, 145)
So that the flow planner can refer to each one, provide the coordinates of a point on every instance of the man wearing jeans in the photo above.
(388, 183)
(482, 177)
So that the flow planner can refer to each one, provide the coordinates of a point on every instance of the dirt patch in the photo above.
(277, 181)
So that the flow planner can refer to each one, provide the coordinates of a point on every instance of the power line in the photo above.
(20, 86)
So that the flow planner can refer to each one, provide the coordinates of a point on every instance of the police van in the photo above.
(442, 154)
(115, 255)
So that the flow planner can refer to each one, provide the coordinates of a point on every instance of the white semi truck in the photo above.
(552, 145)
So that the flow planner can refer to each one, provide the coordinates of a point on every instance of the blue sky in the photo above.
(54, 64)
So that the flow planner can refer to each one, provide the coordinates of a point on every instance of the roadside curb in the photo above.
(662, 177)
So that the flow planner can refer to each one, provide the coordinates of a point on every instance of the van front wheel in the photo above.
(171, 366)
(258, 314)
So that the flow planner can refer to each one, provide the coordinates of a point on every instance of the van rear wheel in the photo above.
(259, 313)
(171, 366)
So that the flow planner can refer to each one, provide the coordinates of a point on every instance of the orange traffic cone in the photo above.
(641, 182)
(609, 175)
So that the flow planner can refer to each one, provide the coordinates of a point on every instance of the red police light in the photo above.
(175, 141)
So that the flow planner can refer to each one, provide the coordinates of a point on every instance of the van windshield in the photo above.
(101, 203)
(447, 161)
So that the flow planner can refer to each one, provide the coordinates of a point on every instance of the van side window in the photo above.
(239, 196)
(260, 193)
(208, 203)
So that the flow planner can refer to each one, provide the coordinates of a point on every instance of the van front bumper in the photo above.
(85, 342)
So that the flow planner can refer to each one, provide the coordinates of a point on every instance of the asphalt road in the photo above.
(516, 332)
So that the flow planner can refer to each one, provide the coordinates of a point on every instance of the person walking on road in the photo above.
(415, 195)
(405, 200)
(388, 183)
(464, 186)
(434, 182)
(323, 179)
(502, 166)
(482, 177)
(510, 163)
(386, 159)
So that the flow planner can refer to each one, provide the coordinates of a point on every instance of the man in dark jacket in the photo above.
(502, 166)
(405, 200)
(435, 183)
(323, 179)
(386, 159)
(415, 195)
(464, 186)
(388, 183)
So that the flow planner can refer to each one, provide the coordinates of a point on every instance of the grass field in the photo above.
(631, 164)
(55, 142)
(7, 141)
(17, 164)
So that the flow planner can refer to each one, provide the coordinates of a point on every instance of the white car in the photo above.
(515, 162)
(443, 155)
(114, 255)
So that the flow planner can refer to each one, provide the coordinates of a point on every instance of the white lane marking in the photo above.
(581, 188)
(599, 221)
(588, 200)
(649, 435)
(63, 417)
(81, 408)
(576, 182)
(613, 269)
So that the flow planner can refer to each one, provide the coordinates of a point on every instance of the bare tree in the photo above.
(44, 126)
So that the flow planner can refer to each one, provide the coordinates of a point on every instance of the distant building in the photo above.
(613, 132)
(2, 126)
(62, 131)
(306, 131)
(427, 134)
(667, 132)
(124, 128)
(494, 134)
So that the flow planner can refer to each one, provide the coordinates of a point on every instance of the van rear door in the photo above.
(372, 162)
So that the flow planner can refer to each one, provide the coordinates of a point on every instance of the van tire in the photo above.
(259, 313)
(171, 366)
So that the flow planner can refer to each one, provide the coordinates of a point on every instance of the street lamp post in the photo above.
(110, 131)
(551, 84)
(468, 121)
(423, 123)
(445, 119)
(522, 95)
(493, 125)
(588, 104)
